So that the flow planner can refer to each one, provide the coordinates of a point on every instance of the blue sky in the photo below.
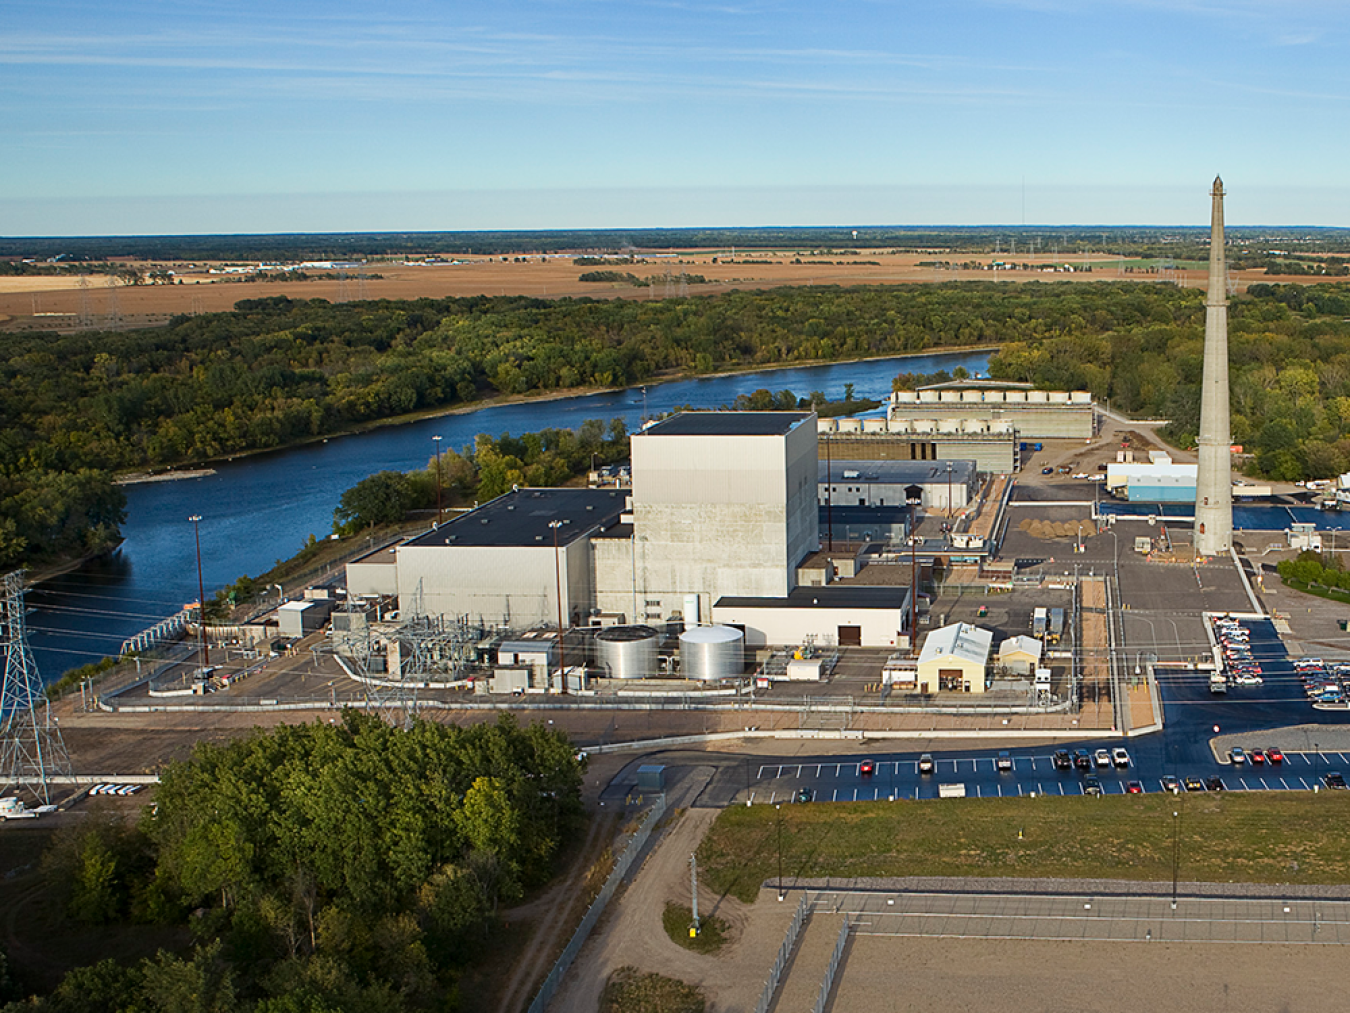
(183, 117)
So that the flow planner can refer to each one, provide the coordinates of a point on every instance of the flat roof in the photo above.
(830, 597)
(728, 424)
(895, 472)
(521, 518)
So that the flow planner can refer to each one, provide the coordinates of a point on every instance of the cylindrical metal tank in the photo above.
(874, 425)
(904, 397)
(972, 396)
(928, 395)
(1038, 396)
(850, 425)
(1059, 397)
(627, 652)
(1016, 396)
(1080, 397)
(949, 425)
(826, 425)
(949, 396)
(924, 425)
(710, 653)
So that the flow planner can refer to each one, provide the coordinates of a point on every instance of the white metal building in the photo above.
(945, 484)
(843, 615)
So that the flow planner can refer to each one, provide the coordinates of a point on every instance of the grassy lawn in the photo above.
(1249, 837)
(629, 991)
(1330, 593)
(712, 931)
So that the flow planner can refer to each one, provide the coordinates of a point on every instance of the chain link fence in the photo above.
(554, 980)
(784, 954)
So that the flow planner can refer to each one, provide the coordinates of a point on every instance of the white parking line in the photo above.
(1286, 784)
(1000, 790)
(1061, 787)
(1305, 784)
(834, 796)
(855, 794)
(799, 770)
(1019, 791)
(772, 797)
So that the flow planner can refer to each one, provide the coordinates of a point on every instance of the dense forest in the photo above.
(327, 867)
(1289, 374)
(279, 370)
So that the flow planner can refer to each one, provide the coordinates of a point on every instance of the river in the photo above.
(260, 509)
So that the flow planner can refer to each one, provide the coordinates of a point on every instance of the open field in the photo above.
(202, 292)
(1253, 837)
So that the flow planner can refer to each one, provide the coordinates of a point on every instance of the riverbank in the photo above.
(199, 469)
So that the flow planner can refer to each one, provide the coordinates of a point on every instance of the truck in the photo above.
(1218, 683)
(952, 790)
(1039, 621)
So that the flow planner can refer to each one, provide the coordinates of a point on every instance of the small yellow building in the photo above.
(1021, 655)
(954, 659)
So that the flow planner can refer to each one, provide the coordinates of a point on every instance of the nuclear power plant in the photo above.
(1214, 482)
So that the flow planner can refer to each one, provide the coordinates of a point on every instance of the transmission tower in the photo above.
(342, 294)
(114, 311)
(86, 311)
(31, 748)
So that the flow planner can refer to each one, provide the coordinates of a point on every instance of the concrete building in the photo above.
(946, 485)
(829, 616)
(1034, 414)
(991, 445)
(1021, 655)
(374, 574)
(497, 564)
(1214, 482)
(303, 617)
(724, 504)
(955, 658)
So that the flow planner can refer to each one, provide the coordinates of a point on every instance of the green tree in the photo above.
(383, 498)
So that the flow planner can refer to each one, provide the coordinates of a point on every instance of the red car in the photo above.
(1257, 756)
(1274, 755)
(867, 768)
(1134, 788)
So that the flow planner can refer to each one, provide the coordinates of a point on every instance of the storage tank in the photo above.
(928, 396)
(973, 426)
(1059, 397)
(626, 652)
(1081, 397)
(1001, 426)
(904, 397)
(994, 395)
(949, 425)
(710, 653)
(1016, 396)
(971, 396)
(1038, 396)
(874, 425)
(826, 425)
(950, 397)
(850, 425)
(924, 425)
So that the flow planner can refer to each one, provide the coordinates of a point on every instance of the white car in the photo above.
(1102, 757)
(1081, 474)
(1120, 757)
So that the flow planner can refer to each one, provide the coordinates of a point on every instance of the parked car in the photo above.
(1047, 471)
(805, 795)
(1102, 757)
(1004, 761)
(1236, 756)
(1062, 759)
(1274, 755)
(1082, 759)
(1170, 783)
(1214, 783)
(926, 765)
(1257, 757)
(867, 768)
(1194, 784)
(1120, 757)
(1335, 780)
(1093, 786)
(1134, 788)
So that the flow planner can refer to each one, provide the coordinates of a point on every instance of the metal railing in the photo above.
(784, 955)
(835, 958)
(626, 859)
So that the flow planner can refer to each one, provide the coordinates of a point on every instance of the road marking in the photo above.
(1000, 790)
(772, 797)
(1019, 791)
(1286, 784)
(855, 794)
(1061, 787)
(752, 798)
(1304, 783)
(817, 770)
(834, 797)
(799, 770)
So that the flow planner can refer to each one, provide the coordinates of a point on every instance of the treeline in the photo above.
(1289, 373)
(322, 868)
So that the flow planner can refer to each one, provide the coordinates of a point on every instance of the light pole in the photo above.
(437, 441)
(913, 497)
(951, 510)
(557, 573)
(829, 495)
(780, 852)
(201, 591)
(1176, 852)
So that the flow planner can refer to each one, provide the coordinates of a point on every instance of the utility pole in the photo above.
(829, 497)
(779, 807)
(201, 591)
(1176, 852)
(557, 573)
(693, 894)
(437, 441)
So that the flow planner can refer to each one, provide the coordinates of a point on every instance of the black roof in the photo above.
(728, 424)
(831, 596)
(522, 518)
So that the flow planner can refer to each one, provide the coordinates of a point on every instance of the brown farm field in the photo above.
(52, 303)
